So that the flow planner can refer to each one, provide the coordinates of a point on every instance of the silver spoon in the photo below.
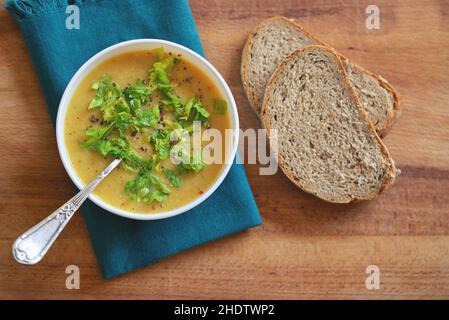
(31, 246)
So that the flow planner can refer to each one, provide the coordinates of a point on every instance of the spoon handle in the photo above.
(31, 246)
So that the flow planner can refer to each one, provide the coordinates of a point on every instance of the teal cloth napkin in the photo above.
(121, 244)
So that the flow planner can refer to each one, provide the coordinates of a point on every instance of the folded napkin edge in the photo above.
(125, 269)
(22, 9)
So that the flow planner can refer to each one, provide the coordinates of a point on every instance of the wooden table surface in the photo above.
(305, 248)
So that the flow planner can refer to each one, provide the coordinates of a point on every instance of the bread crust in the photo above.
(392, 171)
(386, 85)
(250, 94)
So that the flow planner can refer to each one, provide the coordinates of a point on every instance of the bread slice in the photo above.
(325, 143)
(272, 40)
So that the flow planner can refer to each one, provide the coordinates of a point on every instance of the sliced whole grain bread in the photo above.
(325, 142)
(272, 40)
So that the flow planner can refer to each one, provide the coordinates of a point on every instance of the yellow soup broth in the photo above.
(124, 69)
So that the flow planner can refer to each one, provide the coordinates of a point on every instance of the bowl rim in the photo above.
(94, 61)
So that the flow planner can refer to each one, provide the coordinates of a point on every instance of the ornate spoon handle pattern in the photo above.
(31, 246)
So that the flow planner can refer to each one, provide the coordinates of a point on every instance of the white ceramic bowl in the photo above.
(138, 45)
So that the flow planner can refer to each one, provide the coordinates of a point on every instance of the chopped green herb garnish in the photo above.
(220, 106)
(96, 135)
(137, 95)
(173, 177)
(146, 187)
(149, 109)
(161, 142)
(158, 53)
(194, 164)
(146, 117)
(194, 111)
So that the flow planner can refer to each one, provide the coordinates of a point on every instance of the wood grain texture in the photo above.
(305, 248)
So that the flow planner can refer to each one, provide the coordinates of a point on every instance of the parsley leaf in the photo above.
(146, 117)
(162, 143)
(220, 106)
(195, 164)
(95, 135)
(194, 111)
(173, 177)
(137, 95)
(146, 187)
(106, 93)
